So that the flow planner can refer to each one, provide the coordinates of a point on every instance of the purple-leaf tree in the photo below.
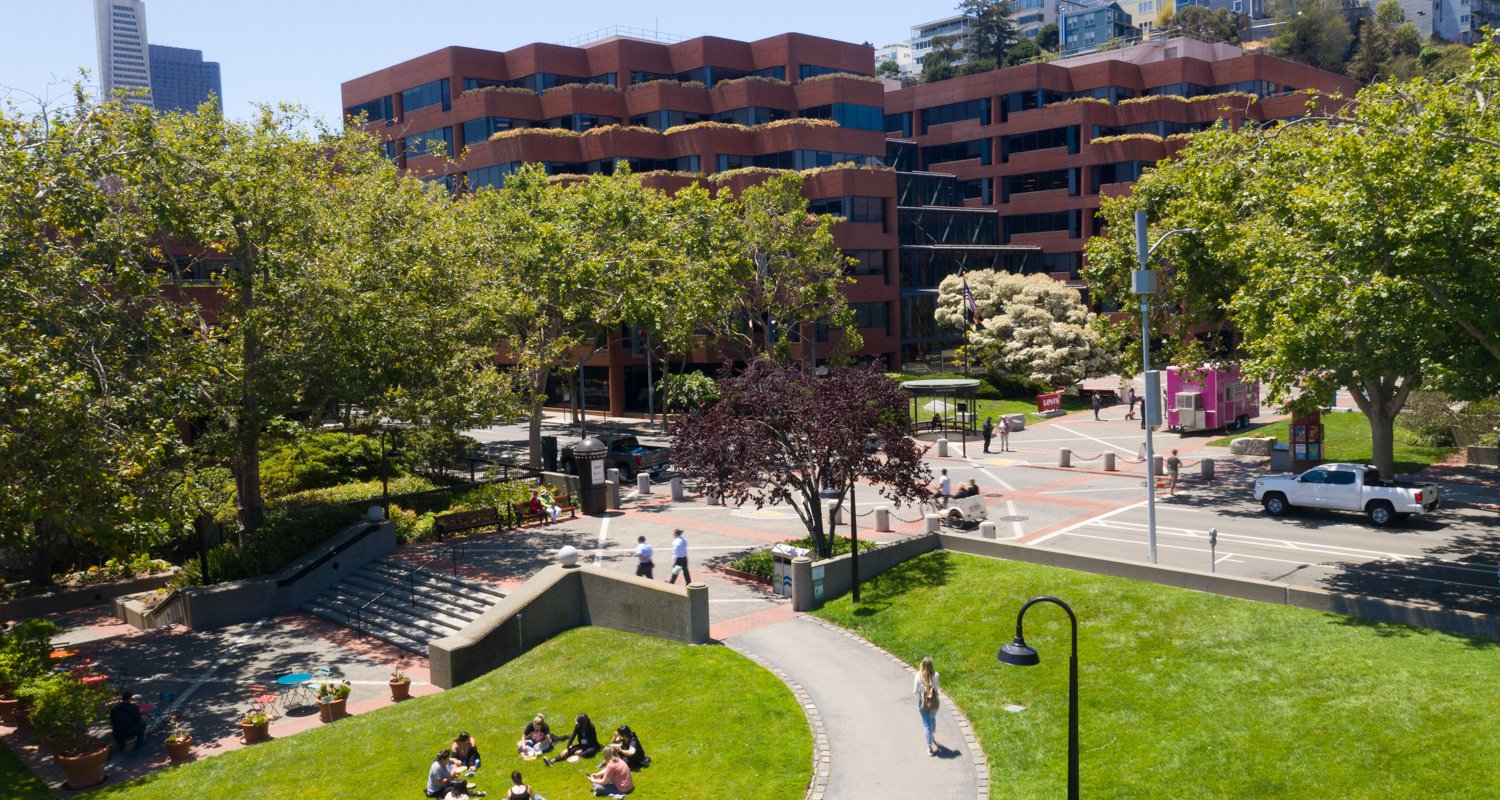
(780, 435)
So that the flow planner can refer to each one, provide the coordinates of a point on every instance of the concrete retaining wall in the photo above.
(233, 602)
(838, 573)
(81, 597)
(559, 598)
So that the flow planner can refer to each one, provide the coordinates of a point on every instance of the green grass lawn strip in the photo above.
(16, 781)
(714, 723)
(1346, 437)
(1185, 694)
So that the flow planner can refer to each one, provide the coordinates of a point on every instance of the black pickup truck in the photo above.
(627, 455)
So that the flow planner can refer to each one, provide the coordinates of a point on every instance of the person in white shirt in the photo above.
(644, 565)
(679, 558)
(945, 489)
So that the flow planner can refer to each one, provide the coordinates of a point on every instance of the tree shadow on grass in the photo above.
(1393, 630)
(932, 570)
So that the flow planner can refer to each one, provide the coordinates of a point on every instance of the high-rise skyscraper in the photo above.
(181, 80)
(120, 29)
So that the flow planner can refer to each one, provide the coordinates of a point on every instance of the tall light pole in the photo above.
(1018, 654)
(1143, 282)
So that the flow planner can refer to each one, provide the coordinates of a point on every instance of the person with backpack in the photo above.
(925, 687)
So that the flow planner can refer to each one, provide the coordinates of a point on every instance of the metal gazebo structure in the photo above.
(942, 406)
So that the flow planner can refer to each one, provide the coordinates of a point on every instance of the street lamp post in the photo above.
(1018, 654)
(1144, 284)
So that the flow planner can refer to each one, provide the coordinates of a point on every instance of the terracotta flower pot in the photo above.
(333, 709)
(400, 690)
(8, 708)
(258, 732)
(179, 750)
(84, 769)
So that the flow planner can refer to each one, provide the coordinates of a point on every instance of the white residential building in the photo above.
(124, 59)
(923, 34)
(1449, 20)
(900, 53)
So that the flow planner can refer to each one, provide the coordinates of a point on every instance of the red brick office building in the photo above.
(996, 170)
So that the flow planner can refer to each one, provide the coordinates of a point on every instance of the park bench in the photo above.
(467, 521)
(525, 516)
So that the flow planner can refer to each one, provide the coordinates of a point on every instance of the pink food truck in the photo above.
(1209, 398)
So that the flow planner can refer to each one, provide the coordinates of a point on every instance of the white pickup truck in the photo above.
(1346, 487)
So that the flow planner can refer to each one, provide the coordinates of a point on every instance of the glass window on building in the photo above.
(871, 315)
(430, 142)
(751, 115)
(956, 151)
(377, 109)
(867, 262)
(479, 130)
(428, 94)
(956, 112)
(1046, 139)
(849, 115)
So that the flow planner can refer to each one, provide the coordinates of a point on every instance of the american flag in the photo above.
(973, 306)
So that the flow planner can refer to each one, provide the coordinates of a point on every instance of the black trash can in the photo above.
(549, 453)
(589, 456)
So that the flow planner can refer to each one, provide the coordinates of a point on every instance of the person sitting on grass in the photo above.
(614, 780)
(582, 742)
(463, 790)
(630, 748)
(466, 752)
(536, 739)
(126, 722)
(519, 790)
(440, 775)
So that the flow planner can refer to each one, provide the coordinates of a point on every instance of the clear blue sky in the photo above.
(285, 51)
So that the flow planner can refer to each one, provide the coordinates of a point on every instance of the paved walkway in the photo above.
(868, 733)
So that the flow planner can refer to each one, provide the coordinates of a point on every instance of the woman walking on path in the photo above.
(925, 687)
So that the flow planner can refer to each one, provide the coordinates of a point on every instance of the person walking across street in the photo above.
(925, 687)
(1004, 433)
(945, 488)
(1130, 399)
(679, 558)
(1173, 465)
(989, 432)
(643, 566)
(1097, 404)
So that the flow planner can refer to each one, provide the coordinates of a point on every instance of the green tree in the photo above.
(991, 31)
(1388, 47)
(1351, 250)
(1047, 37)
(1313, 32)
(90, 368)
(1031, 328)
(888, 69)
(1023, 51)
(939, 63)
(1209, 25)
(340, 284)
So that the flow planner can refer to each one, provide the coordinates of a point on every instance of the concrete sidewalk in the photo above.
(868, 734)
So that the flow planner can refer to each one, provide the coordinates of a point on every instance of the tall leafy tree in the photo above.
(1313, 32)
(781, 435)
(1353, 250)
(1206, 24)
(992, 33)
(939, 64)
(1030, 327)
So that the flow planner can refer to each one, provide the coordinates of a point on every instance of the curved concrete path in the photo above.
(870, 743)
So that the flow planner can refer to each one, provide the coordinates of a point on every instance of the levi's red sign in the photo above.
(1051, 401)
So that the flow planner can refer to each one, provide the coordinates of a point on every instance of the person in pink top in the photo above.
(614, 780)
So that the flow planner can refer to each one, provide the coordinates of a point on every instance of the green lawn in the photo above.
(989, 403)
(1190, 695)
(1346, 437)
(16, 781)
(675, 696)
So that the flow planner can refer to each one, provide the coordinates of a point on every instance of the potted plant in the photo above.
(63, 710)
(25, 654)
(179, 742)
(400, 685)
(255, 726)
(333, 699)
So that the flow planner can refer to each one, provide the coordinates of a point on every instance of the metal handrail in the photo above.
(357, 618)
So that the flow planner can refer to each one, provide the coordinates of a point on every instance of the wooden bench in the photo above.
(467, 521)
(524, 515)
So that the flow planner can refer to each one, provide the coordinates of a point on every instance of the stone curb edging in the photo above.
(822, 761)
(981, 764)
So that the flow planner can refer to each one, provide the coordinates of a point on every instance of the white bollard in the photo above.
(678, 493)
(1156, 465)
(643, 483)
(942, 448)
(1064, 457)
(714, 499)
(611, 495)
(934, 522)
(612, 474)
(1109, 462)
(882, 519)
(987, 529)
(836, 517)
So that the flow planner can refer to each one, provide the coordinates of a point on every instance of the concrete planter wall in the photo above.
(209, 607)
(81, 597)
(559, 598)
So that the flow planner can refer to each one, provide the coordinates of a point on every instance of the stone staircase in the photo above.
(443, 604)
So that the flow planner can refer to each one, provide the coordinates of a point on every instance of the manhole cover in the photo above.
(1014, 518)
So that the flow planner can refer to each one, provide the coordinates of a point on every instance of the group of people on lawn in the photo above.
(451, 771)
